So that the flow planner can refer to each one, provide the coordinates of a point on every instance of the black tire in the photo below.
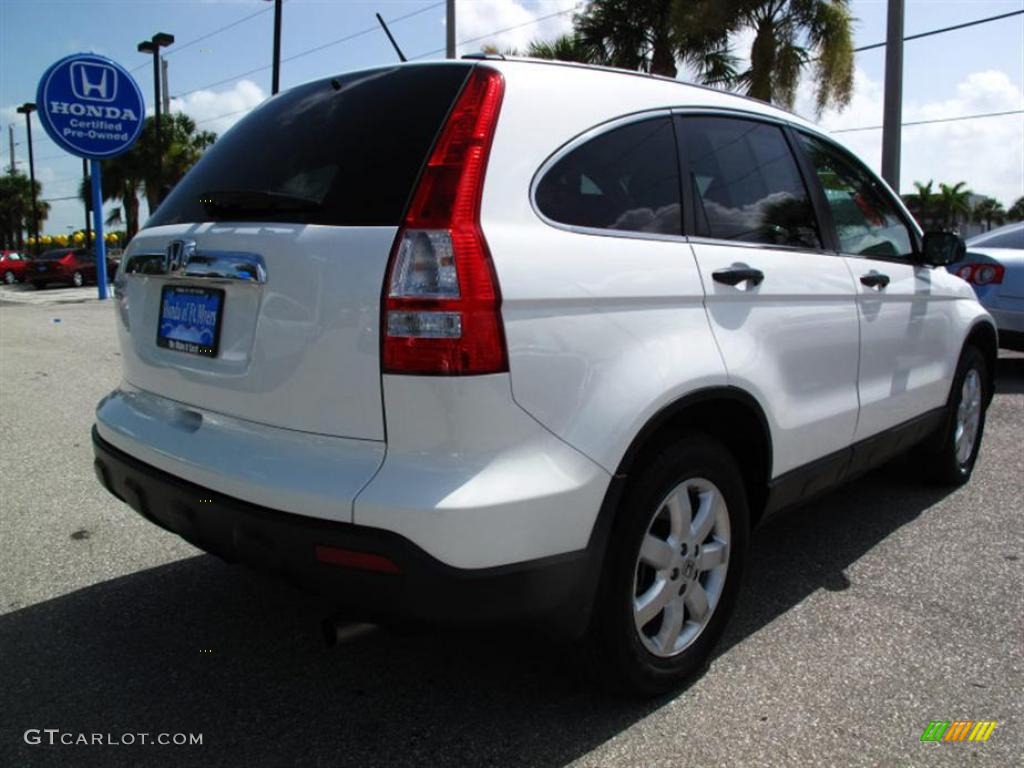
(618, 656)
(9, 278)
(78, 279)
(937, 458)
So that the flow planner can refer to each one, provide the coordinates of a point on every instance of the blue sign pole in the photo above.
(96, 179)
(90, 106)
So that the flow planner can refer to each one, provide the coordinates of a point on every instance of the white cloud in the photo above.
(477, 20)
(219, 110)
(987, 153)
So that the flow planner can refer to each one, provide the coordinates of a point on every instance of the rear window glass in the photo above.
(53, 255)
(1014, 238)
(343, 151)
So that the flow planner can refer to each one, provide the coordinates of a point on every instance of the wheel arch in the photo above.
(728, 414)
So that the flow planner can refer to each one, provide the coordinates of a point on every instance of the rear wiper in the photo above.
(256, 201)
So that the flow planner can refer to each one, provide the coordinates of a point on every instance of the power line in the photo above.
(919, 35)
(936, 120)
(366, 31)
(500, 31)
(309, 51)
(208, 35)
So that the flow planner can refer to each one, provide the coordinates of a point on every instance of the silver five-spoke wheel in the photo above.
(968, 416)
(681, 567)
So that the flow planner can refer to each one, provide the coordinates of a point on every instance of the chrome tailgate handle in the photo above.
(221, 265)
(185, 260)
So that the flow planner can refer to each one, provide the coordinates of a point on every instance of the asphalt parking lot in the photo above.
(868, 614)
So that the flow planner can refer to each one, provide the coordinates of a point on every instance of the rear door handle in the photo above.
(874, 280)
(736, 275)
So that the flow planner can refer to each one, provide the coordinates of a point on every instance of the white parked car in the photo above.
(994, 266)
(496, 340)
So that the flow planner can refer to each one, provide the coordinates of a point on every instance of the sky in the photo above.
(219, 68)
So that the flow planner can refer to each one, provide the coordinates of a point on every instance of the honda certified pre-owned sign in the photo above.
(90, 106)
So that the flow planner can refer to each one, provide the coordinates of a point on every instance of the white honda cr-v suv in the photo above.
(490, 340)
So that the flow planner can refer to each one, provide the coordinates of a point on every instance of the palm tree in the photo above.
(566, 48)
(122, 181)
(922, 203)
(954, 203)
(183, 145)
(651, 36)
(16, 208)
(988, 210)
(1016, 212)
(791, 35)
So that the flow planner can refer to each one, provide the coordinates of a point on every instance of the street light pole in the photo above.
(27, 109)
(892, 114)
(153, 46)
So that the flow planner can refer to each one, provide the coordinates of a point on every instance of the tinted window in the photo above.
(866, 218)
(53, 255)
(626, 179)
(745, 183)
(353, 145)
(1014, 238)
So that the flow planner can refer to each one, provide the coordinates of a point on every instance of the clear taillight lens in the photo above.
(425, 266)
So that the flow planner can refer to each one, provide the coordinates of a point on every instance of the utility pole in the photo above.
(275, 81)
(27, 109)
(10, 136)
(449, 30)
(165, 90)
(893, 110)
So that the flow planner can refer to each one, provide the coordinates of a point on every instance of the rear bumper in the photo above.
(556, 591)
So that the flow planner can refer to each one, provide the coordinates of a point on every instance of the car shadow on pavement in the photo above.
(1010, 375)
(196, 646)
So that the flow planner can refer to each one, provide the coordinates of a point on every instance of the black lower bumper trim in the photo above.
(554, 591)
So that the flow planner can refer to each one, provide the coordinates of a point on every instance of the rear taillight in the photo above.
(981, 274)
(442, 306)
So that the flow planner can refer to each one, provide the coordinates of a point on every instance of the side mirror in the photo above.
(942, 248)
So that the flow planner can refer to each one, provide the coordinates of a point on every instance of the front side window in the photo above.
(866, 219)
(626, 179)
(745, 183)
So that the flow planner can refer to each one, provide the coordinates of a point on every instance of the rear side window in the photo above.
(866, 218)
(342, 151)
(745, 183)
(626, 179)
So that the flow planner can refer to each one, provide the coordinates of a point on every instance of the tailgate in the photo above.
(296, 341)
(254, 290)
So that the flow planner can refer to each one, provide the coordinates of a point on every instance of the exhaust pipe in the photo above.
(338, 630)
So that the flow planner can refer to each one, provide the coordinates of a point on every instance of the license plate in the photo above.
(190, 319)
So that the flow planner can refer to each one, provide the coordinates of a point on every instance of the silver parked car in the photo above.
(994, 266)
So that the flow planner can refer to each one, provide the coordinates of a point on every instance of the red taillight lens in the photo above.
(982, 274)
(441, 312)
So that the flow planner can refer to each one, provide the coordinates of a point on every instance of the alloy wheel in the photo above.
(680, 570)
(968, 417)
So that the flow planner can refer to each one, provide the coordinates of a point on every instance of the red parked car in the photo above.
(65, 265)
(12, 267)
